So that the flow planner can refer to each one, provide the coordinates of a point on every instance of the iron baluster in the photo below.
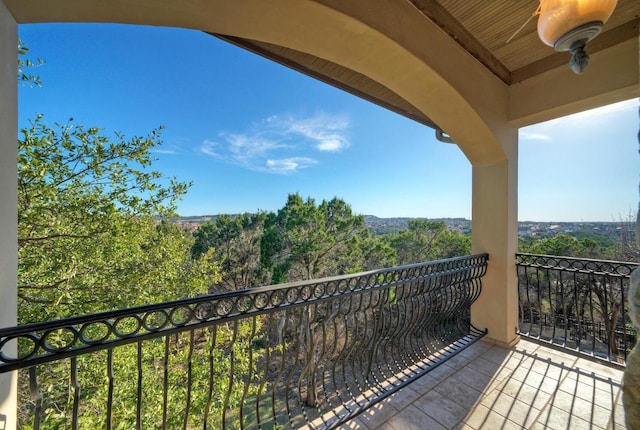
(139, 388)
(36, 395)
(76, 392)
(165, 381)
(213, 333)
(110, 388)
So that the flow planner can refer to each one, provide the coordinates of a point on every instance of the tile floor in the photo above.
(487, 387)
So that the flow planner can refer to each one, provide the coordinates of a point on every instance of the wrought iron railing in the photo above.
(578, 304)
(307, 354)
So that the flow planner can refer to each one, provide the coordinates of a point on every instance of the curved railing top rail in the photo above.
(580, 265)
(47, 341)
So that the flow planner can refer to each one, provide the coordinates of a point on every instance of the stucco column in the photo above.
(8, 200)
(495, 231)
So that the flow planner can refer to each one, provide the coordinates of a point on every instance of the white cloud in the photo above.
(330, 145)
(250, 147)
(528, 135)
(209, 147)
(327, 132)
(165, 151)
(172, 148)
(281, 144)
(289, 165)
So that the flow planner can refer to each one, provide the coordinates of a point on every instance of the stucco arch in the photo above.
(414, 59)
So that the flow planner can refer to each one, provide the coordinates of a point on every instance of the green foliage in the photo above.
(603, 239)
(87, 239)
(24, 64)
(426, 240)
(367, 251)
(627, 245)
(305, 241)
(608, 241)
(564, 245)
(235, 242)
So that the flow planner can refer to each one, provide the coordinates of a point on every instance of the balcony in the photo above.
(465, 82)
(391, 348)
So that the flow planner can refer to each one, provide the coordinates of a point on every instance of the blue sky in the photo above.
(247, 132)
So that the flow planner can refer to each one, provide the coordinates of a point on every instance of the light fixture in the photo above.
(567, 25)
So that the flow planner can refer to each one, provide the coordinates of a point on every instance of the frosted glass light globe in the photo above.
(567, 25)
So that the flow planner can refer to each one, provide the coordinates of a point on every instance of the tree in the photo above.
(307, 241)
(236, 244)
(368, 251)
(563, 244)
(87, 236)
(627, 245)
(93, 237)
(426, 240)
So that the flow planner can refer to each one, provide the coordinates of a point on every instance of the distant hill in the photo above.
(603, 232)
(394, 225)
(375, 224)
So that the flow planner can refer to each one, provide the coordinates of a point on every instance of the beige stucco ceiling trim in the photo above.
(613, 75)
(401, 49)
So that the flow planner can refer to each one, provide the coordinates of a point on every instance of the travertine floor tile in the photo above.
(378, 415)
(442, 372)
(403, 398)
(412, 418)
(474, 379)
(482, 365)
(354, 424)
(523, 392)
(581, 408)
(557, 419)
(498, 355)
(446, 412)
(484, 418)
(462, 394)
(514, 410)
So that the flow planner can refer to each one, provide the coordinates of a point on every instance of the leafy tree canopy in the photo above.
(305, 240)
(563, 244)
(87, 235)
(426, 240)
(235, 243)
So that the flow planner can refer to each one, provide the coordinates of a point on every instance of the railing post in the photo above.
(8, 200)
